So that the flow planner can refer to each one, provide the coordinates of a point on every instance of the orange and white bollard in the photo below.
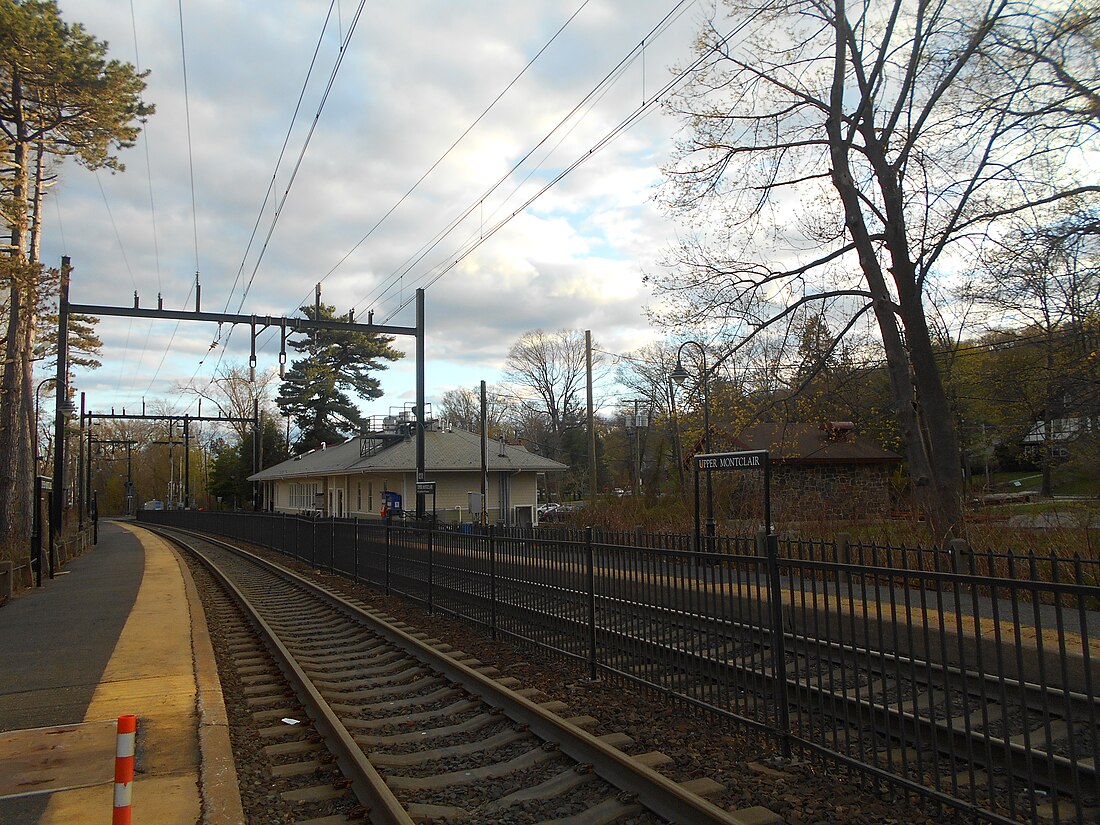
(124, 769)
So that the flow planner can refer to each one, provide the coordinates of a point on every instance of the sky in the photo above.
(398, 172)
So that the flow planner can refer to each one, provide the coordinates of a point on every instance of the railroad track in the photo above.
(416, 731)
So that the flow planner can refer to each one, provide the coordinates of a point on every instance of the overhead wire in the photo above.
(194, 207)
(456, 142)
(604, 85)
(454, 145)
(593, 95)
(345, 41)
(194, 211)
(129, 271)
(305, 145)
(282, 152)
(148, 163)
(621, 127)
(190, 152)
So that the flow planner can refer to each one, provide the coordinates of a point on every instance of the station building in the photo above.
(378, 469)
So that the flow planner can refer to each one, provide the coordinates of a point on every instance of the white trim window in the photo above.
(303, 495)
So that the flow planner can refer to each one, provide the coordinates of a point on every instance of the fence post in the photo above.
(430, 569)
(355, 552)
(313, 545)
(844, 548)
(493, 581)
(590, 573)
(332, 545)
(779, 652)
(386, 530)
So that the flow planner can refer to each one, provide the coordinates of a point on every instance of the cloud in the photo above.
(414, 77)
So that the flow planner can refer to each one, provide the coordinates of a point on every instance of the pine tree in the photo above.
(314, 393)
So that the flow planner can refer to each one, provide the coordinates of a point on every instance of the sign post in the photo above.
(734, 462)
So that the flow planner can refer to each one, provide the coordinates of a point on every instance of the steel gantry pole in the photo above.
(81, 492)
(256, 436)
(61, 407)
(186, 462)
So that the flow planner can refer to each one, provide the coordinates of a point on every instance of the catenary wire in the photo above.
(600, 88)
(448, 151)
(621, 127)
(293, 176)
(454, 144)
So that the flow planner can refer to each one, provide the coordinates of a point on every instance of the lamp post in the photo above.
(680, 375)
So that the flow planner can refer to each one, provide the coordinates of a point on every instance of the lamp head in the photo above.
(679, 375)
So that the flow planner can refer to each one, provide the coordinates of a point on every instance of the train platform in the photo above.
(119, 631)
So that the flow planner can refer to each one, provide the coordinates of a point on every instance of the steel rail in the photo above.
(366, 782)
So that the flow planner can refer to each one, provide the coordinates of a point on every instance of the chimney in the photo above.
(838, 430)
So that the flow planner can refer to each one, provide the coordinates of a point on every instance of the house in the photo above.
(823, 470)
(1063, 431)
(379, 467)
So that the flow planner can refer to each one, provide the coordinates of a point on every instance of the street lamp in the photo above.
(37, 390)
(680, 375)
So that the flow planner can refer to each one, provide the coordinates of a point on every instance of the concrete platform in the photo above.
(120, 631)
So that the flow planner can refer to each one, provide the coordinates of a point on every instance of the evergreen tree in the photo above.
(314, 393)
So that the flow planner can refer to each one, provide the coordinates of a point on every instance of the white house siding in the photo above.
(452, 500)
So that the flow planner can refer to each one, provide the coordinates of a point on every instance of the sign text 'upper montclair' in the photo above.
(731, 461)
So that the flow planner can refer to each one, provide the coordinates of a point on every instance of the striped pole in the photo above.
(124, 769)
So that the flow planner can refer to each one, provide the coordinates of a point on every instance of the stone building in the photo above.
(823, 470)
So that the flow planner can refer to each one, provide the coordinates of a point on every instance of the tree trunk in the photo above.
(914, 374)
(17, 465)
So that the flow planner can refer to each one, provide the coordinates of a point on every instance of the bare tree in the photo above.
(852, 155)
(462, 408)
(548, 371)
(234, 394)
(1046, 281)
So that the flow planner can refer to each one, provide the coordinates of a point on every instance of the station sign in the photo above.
(731, 462)
(748, 460)
(426, 488)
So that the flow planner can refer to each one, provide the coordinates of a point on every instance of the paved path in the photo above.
(119, 631)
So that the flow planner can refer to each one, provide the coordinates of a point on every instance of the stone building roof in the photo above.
(832, 442)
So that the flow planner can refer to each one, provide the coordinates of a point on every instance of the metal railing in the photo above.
(968, 678)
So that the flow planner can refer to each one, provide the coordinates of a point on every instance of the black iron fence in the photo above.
(967, 678)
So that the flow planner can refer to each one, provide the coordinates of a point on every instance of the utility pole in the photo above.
(484, 456)
(636, 423)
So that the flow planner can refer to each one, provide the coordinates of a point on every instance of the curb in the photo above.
(221, 798)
